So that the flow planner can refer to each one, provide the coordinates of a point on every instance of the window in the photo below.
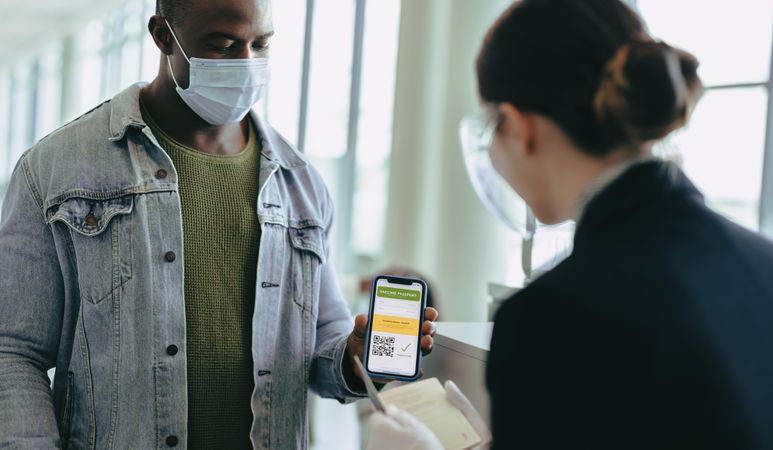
(338, 107)
(22, 102)
(282, 104)
(723, 148)
(5, 135)
(30, 102)
(375, 126)
(112, 53)
(86, 62)
(122, 37)
(47, 93)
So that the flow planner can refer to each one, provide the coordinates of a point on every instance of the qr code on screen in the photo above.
(383, 346)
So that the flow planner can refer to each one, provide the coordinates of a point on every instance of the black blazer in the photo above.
(656, 333)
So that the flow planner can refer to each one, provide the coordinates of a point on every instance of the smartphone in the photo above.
(393, 343)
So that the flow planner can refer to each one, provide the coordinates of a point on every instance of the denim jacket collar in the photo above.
(125, 114)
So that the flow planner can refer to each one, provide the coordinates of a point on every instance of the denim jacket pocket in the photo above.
(309, 255)
(100, 238)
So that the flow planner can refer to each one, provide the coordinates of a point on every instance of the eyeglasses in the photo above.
(477, 129)
(476, 133)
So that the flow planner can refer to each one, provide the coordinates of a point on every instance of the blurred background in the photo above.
(372, 91)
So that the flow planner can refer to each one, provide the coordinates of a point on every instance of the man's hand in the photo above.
(355, 345)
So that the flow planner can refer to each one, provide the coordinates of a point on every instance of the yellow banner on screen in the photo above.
(396, 325)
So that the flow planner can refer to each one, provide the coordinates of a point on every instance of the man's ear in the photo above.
(518, 126)
(161, 35)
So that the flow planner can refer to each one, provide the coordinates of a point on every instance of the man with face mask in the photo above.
(167, 253)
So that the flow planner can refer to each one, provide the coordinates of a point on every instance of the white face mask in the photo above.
(222, 91)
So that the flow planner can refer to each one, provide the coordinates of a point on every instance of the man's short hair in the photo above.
(172, 10)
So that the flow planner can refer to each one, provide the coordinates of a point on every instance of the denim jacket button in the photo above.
(91, 220)
(171, 441)
(172, 350)
(161, 174)
(170, 256)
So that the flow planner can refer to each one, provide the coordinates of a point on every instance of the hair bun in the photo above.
(648, 90)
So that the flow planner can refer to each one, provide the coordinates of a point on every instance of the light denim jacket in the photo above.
(85, 287)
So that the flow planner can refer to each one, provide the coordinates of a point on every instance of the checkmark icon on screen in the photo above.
(405, 348)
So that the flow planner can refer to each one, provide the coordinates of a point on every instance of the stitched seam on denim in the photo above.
(299, 285)
(30, 183)
(308, 290)
(330, 352)
(129, 241)
(308, 318)
(119, 286)
(155, 402)
(116, 284)
(67, 411)
(147, 188)
(273, 219)
(280, 219)
(307, 244)
(305, 223)
(70, 251)
(116, 295)
(89, 382)
(72, 122)
(270, 413)
(81, 337)
(74, 261)
(307, 283)
(106, 219)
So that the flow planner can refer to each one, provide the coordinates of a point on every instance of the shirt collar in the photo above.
(125, 114)
(275, 147)
(604, 179)
(633, 194)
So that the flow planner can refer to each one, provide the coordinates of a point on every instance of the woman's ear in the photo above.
(517, 127)
(160, 33)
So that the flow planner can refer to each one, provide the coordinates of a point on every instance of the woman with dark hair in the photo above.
(657, 331)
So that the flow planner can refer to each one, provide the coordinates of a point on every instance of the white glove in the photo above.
(400, 430)
(458, 399)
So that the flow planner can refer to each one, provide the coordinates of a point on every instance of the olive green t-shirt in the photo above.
(221, 235)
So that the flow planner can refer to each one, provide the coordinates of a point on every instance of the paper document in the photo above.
(427, 401)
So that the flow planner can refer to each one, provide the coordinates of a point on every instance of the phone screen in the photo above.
(395, 327)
